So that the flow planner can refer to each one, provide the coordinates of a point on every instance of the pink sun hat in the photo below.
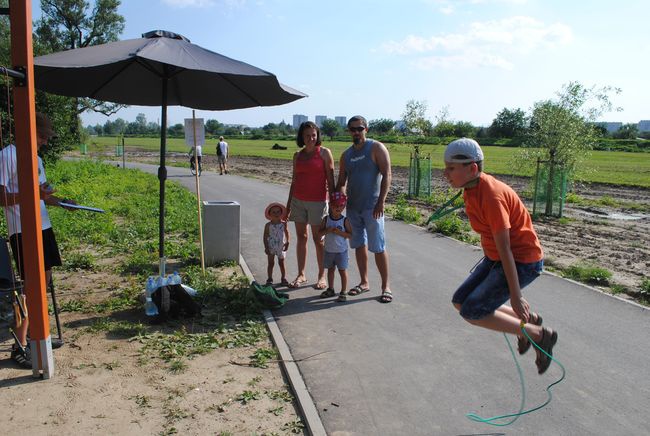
(267, 211)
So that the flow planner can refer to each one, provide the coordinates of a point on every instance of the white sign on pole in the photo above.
(199, 128)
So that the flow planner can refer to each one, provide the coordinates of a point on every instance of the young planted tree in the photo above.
(562, 131)
(416, 123)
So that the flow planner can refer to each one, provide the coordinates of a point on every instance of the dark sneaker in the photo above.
(22, 357)
(523, 344)
(543, 361)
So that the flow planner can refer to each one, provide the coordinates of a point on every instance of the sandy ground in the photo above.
(103, 385)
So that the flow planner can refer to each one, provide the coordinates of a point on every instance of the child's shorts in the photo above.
(486, 288)
(338, 260)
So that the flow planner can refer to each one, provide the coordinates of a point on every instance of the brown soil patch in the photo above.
(103, 385)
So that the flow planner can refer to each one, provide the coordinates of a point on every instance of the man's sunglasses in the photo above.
(356, 129)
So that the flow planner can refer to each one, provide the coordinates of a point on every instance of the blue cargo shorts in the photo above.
(486, 288)
(366, 230)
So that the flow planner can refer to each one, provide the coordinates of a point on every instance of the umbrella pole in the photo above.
(162, 176)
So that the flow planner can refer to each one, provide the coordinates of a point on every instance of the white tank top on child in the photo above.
(333, 242)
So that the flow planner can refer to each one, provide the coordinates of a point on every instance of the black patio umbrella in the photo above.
(160, 69)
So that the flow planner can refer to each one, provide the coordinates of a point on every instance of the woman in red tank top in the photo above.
(313, 176)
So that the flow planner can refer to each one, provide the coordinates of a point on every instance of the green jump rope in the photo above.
(446, 209)
(491, 421)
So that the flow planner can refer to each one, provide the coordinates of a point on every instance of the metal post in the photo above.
(162, 174)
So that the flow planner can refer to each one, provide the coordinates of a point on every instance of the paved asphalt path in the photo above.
(414, 367)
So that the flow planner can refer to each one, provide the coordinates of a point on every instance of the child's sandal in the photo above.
(343, 297)
(327, 293)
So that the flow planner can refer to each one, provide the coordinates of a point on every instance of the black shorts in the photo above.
(50, 251)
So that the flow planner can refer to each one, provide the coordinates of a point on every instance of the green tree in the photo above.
(70, 24)
(381, 126)
(330, 128)
(464, 129)
(508, 124)
(415, 120)
(177, 130)
(627, 131)
(214, 127)
(444, 126)
(562, 131)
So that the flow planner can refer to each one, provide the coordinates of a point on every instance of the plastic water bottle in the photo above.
(176, 278)
(150, 307)
(189, 290)
(150, 286)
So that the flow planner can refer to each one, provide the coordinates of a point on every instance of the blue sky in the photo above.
(369, 57)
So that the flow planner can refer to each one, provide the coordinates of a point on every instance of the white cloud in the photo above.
(489, 43)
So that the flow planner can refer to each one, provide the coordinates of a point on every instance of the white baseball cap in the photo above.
(463, 150)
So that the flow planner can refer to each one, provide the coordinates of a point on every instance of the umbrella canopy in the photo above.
(160, 69)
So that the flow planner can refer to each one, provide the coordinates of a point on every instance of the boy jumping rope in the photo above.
(513, 254)
(336, 229)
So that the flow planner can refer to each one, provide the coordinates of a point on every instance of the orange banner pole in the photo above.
(20, 14)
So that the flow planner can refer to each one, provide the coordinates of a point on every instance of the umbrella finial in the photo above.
(164, 34)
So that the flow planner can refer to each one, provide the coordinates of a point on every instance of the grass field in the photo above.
(615, 167)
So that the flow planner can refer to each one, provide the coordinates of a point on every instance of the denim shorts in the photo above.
(486, 288)
(366, 230)
(339, 260)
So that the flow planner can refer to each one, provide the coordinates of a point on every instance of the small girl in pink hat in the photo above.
(276, 240)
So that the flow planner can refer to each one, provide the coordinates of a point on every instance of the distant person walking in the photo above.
(365, 175)
(312, 178)
(196, 151)
(513, 254)
(222, 155)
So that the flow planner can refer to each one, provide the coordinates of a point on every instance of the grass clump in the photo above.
(76, 261)
(588, 273)
(403, 212)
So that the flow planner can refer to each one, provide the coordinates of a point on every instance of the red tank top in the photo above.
(310, 183)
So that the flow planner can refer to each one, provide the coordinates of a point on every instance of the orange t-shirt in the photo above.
(493, 206)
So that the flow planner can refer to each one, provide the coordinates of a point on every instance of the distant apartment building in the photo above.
(644, 126)
(298, 120)
(319, 120)
(341, 120)
(611, 127)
